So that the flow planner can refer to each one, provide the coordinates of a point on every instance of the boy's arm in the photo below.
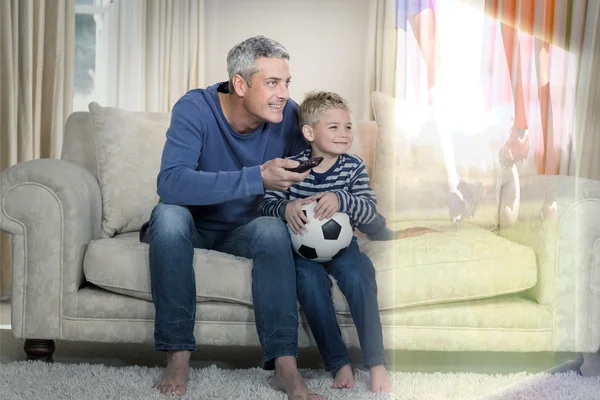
(377, 229)
(178, 181)
(273, 204)
(359, 202)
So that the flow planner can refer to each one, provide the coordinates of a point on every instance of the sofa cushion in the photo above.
(120, 264)
(453, 265)
(128, 153)
(434, 268)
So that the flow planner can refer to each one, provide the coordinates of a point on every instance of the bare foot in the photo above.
(343, 378)
(380, 382)
(175, 377)
(287, 379)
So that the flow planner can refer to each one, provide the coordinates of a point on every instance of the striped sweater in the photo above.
(347, 178)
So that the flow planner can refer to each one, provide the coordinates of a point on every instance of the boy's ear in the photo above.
(307, 131)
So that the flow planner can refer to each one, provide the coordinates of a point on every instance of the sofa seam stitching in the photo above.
(555, 303)
(348, 325)
(592, 291)
(24, 255)
(61, 216)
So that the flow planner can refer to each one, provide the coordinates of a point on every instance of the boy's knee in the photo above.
(311, 280)
(306, 274)
(361, 276)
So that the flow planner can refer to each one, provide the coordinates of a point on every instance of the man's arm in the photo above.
(359, 202)
(178, 181)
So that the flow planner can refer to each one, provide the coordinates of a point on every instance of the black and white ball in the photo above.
(322, 240)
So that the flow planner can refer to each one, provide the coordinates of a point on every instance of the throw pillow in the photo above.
(128, 152)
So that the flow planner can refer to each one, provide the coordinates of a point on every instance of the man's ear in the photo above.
(308, 133)
(239, 85)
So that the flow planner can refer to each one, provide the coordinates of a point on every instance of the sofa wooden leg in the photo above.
(39, 350)
(567, 362)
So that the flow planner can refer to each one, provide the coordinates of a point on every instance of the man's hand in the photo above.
(294, 215)
(275, 177)
(416, 231)
(327, 205)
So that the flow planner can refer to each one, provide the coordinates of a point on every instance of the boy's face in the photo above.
(332, 135)
(269, 92)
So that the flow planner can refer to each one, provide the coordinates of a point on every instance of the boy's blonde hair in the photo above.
(316, 103)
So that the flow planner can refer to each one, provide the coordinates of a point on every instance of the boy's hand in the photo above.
(327, 205)
(294, 215)
(416, 231)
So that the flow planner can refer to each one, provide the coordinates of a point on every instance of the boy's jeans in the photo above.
(172, 236)
(355, 277)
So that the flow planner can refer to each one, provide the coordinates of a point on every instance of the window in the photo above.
(95, 57)
(506, 67)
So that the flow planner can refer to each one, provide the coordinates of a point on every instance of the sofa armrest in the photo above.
(567, 248)
(53, 209)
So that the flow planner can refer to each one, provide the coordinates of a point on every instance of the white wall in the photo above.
(327, 40)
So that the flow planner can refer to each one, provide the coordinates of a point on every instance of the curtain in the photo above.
(585, 155)
(166, 60)
(517, 60)
(36, 80)
(381, 45)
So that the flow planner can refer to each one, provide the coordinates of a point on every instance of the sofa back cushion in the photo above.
(78, 143)
(128, 148)
(365, 138)
(410, 168)
(123, 149)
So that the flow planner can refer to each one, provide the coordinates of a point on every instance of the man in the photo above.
(224, 148)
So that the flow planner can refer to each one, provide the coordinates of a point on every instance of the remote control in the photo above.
(306, 165)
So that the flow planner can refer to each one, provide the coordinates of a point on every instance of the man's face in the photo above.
(333, 134)
(268, 90)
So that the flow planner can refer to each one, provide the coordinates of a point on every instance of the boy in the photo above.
(339, 183)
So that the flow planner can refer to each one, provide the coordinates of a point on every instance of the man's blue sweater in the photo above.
(212, 169)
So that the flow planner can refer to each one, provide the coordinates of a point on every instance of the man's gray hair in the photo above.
(241, 59)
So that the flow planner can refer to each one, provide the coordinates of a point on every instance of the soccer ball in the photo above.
(322, 240)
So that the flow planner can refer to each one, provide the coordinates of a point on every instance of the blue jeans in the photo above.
(355, 277)
(172, 235)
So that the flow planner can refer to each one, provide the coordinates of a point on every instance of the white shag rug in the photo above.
(35, 380)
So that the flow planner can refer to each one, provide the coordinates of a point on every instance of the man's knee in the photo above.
(269, 231)
(169, 221)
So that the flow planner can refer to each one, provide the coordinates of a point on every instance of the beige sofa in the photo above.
(81, 274)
